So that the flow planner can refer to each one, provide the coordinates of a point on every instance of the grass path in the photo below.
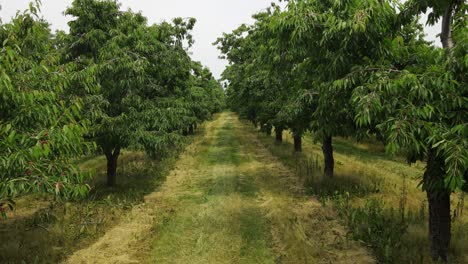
(227, 201)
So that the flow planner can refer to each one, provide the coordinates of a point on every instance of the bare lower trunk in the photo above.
(297, 142)
(437, 195)
(327, 149)
(266, 128)
(279, 135)
(465, 187)
(439, 207)
(191, 130)
(112, 158)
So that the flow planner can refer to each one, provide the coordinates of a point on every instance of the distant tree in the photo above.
(327, 40)
(257, 75)
(205, 96)
(297, 115)
(239, 97)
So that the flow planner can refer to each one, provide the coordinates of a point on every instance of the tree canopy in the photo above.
(148, 90)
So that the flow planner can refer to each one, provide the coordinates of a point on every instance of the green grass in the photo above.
(233, 202)
(385, 208)
(218, 220)
(224, 149)
(227, 199)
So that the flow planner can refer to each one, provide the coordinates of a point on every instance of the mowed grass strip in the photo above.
(235, 203)
(218, 217)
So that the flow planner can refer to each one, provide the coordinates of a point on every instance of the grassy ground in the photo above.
(41, 230)
(377, 196)
(235, 203)
(228, 200)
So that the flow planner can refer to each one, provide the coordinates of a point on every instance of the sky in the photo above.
(213, 18)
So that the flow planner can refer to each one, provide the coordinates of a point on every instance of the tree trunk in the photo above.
(279, 135)
(433, 182)
(112, 166)
(439, 207)
(446, 34)
(465, 187)
(297, 142)
(191, 130)
(327, 149)
(266, 128)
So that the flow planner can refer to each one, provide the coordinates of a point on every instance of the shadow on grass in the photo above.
(395, 234)
(231, 183)
(50, 233)
(370, 151)
(308, 167)
(224, 149)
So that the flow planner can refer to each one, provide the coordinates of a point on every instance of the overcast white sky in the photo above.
(213, 18)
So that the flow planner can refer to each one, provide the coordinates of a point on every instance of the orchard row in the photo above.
(357, 68)
(112, 82)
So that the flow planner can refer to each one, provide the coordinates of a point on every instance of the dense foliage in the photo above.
(149, 89)
(113, 82)
(41, 127)
(361, 68)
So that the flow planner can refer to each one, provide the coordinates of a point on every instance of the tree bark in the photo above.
(112, 158)
(279, 135)
(439, 207)
(446, 34)
(327, 149)
(297, 142)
